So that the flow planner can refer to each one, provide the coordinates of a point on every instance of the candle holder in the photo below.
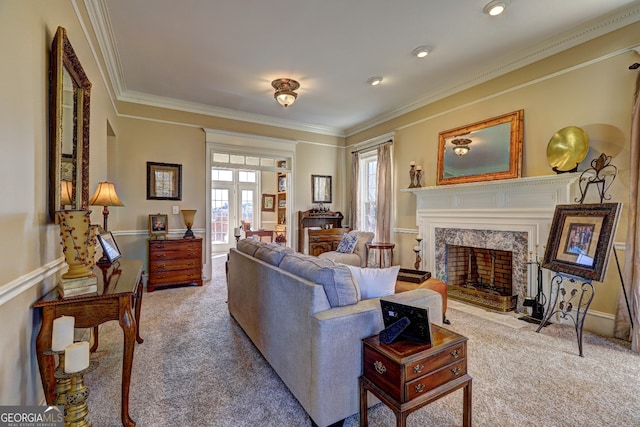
(75, 406)
(418, 177)
(418, 257)
(412, 176)
(63, 384)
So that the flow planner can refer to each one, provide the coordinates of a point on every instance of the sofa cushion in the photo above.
(273, 254)
(249, 246)
(335, 256)
(347, 244)
(375, 282)
(336, 279)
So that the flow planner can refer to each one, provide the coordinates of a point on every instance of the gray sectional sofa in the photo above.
(305, 316)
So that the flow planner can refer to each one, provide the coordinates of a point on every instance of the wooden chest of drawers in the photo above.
(174, 262)
(407, 375)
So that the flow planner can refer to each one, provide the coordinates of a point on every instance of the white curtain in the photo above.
(632, 262)
(384, 198)
(355, 178)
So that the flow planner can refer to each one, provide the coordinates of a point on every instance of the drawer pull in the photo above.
(380, 368)
(191, 253)
(161, 266)
(456, 370)
(455, 353)
(418, 368)
(419, 388)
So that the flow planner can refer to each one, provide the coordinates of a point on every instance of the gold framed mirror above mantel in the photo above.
(483, 151)
(69, 96)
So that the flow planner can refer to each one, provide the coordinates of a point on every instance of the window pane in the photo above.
(222, 175)
(220, 158)
(238, 160)
(247, 176)
(368, 192)
(219, 215)
(247, 207)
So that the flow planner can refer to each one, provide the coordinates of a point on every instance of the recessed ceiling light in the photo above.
(421, 51)
(375, 81)
(495, 7)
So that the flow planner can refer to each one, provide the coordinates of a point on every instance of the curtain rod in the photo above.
(389, 141)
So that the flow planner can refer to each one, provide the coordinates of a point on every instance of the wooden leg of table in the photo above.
(364, 421)
(466, 405)
(401, 419)
(94, 346)
(46, 363)
(128, 325)
(138, 305)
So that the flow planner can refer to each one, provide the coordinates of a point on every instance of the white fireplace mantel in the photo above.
(520, 205)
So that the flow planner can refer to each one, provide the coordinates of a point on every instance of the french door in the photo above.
(234, 194)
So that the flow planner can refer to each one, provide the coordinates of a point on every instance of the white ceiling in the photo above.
(220, 56)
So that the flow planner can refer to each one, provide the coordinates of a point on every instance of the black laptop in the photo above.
(419, 327)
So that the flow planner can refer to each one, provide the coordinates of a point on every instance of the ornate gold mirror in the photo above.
(69, 96)
(482, 151)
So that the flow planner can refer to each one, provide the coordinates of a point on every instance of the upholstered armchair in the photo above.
(358, 257)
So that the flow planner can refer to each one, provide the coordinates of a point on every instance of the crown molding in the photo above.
(567, 40)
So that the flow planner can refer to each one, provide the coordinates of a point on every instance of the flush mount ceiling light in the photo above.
(421, 51)
(374, 81)
(461, 146)
(285, 88)
(495, 7)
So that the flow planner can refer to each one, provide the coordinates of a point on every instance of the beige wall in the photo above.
(590, 88)
(596, 97)
(30, 254)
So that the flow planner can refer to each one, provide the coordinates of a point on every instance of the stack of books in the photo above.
(78, 286)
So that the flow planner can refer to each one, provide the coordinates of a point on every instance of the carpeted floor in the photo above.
(197, 368)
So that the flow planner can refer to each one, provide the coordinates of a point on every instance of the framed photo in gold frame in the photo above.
(158, 225)
(269, 202)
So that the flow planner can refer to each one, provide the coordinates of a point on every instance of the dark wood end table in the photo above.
(407, 375)
(119, 292)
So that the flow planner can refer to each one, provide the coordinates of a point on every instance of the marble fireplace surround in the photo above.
(464, 212)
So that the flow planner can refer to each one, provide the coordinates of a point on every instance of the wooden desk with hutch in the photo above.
(322, 240)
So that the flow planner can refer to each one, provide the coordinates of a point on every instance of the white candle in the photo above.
(76, 357)
(418, 236)
(412, 163)
(416, 248)
(419, 167)
(62, 334)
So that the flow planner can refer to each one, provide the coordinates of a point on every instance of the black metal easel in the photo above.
(601, 174)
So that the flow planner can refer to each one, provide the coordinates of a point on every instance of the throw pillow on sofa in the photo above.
(348, 244)
(375, 282)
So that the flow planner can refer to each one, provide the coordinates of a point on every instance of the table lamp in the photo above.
(188, 215)
(105, 196)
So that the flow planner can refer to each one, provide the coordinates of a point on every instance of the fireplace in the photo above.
(483, 267)
(511, 215)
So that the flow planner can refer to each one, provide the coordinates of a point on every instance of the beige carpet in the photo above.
(197, 368)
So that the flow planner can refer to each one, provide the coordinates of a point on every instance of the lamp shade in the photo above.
(106, 195)
(66, 192)
(189, 215)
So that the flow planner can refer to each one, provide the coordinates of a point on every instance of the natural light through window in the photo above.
(368, 191)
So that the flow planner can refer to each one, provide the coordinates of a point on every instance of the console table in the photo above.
(119, 292)
(407, 375)
(312, 218)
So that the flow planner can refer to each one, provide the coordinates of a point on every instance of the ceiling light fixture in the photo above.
(461, 146)
(495, 7)
(421, 51)
(374, 81)
(285, 88)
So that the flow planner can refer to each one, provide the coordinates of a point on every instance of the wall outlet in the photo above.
(176, 210)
